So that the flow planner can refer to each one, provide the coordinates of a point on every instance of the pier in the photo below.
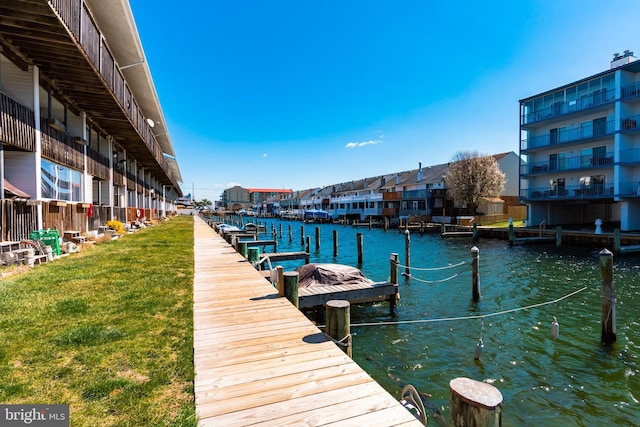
(260, 361)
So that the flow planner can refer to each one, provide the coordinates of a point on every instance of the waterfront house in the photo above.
(82, 131)
(582, 146)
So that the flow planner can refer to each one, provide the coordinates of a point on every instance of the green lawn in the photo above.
(108, 330)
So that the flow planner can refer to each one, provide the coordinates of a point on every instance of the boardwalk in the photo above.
(259, 361)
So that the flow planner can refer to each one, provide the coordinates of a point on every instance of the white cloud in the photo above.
(362, 144)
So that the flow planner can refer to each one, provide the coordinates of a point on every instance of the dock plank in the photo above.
(260, 361)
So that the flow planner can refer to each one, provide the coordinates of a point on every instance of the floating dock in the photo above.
(260, 362)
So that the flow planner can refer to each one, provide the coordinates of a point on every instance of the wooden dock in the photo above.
(314, 296)
(260, 362)
(286, 256)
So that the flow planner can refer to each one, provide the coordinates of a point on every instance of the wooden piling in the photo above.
(290, 234)
(608, 297)
(474, 404)
(253, 254)
(291, 287)
(281, 230)
(280, 270)
(616, 240)
(474, 236)
(558, 237)
(308, 244)
(512, 236)
(393, 268)
(359, 240)
(407, 252)
(317, 239)
(475, 274)
(335, 243)
(242, 249)
(302, 235)
(386, 223)
(338, 321)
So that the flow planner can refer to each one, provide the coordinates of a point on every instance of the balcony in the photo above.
(630, 91)
(558, 109)
(17, 124)
(570, 136)
(575, 192)
(62, 38)
(568, 164)
(630, 157)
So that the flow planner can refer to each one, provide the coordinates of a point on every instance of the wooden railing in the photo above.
(77, 17)
(97, 164)
(17, 124)
(60, 147)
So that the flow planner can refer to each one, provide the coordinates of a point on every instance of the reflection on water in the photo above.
(572, 380)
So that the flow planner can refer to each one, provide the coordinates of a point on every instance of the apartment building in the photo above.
(582, 146)
(82, 134)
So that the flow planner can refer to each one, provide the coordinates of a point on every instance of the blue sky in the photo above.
(302, 94)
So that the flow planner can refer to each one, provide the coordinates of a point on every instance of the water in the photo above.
(571, 381)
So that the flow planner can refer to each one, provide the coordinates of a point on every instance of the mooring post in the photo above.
(474, 404)
(281, 230)
(386, 223)
(617, 244)
(338, 321)
(475, 273)
(317, 239)
(393, 278)
(393, 268)
(407, 252)
(308, 244)
(242, 249)
(512, 236)
(291, 287)
(280, 270)
(608, 297)
(335, 243)
(290, 234)
(359, 240)
(558, 237)
(302, 235)
(253, 254)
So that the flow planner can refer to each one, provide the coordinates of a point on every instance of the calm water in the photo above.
(573, 380)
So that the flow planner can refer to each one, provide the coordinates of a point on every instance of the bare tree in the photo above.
(472, 176)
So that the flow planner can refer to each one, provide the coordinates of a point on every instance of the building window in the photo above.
(60, 182)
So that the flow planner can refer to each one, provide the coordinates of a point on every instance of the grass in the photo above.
(108, 330)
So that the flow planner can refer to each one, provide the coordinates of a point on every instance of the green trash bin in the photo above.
(49, 238)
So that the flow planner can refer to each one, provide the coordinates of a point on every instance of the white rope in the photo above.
(429, 281)
(341, 342)
(479, 316)
(434, 268)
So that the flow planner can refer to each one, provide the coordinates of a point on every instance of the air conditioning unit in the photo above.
(56, 124)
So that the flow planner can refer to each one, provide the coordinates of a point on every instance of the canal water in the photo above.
(573, 380)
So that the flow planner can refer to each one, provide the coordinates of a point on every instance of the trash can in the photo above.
(49, 238)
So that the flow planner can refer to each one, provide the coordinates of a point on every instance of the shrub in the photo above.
(116, 226)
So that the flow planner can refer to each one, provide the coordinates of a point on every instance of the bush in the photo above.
(116, 226)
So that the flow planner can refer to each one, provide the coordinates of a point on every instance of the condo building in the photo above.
(581, 143)
(83, 138)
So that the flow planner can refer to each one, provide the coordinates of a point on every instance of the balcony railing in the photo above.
(60, 147)
(571, 135)
(17, 124)
(630, 124)
(630, 156)
(76, 16)
(593, 191)
(568, 163)
(557, 109)
(630, 91)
